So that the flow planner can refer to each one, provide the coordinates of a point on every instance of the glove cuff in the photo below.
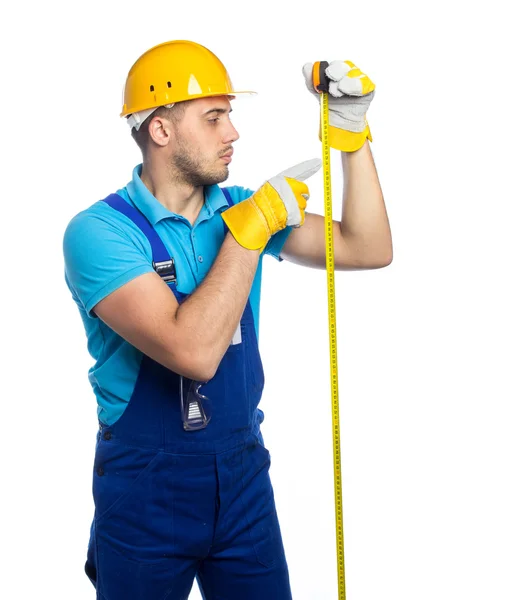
(347, 141)
(253, 221)
(248, 227)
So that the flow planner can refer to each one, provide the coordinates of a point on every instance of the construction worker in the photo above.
(166, 274)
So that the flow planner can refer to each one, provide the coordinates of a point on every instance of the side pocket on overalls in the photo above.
(118, 471)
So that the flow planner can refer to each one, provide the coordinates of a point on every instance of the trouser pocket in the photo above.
(132, 489)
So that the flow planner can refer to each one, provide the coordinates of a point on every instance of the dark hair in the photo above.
(173, 114)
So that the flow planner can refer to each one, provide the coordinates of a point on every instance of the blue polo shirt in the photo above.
(103, 250)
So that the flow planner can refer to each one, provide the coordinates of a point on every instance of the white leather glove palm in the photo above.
(350, 95)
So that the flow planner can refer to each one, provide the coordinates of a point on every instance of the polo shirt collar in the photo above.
(154, 211)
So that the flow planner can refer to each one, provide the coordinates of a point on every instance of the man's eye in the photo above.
(214, 120)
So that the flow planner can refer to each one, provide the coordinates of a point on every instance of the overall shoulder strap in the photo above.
(163, 263)
(227, 195)
(160, 252)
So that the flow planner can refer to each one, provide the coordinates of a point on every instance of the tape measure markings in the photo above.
(334, 380)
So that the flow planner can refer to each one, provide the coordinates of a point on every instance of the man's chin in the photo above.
(210, 178)
(219, 177)
(225, 175)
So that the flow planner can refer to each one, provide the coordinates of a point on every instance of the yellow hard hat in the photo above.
(172, 72)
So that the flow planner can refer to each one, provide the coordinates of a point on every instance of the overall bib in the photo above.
(172, 505)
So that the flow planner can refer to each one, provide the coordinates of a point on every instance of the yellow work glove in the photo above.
(350, 94)
(280, 202)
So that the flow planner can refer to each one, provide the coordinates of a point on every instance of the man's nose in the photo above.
(232, 134)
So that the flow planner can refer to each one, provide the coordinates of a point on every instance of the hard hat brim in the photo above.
(196, 97)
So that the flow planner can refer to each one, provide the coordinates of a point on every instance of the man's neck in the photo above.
(180, 198)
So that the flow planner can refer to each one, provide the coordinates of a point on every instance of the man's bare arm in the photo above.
(190, 338)
(362, 240)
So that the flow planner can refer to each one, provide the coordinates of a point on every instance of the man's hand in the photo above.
(279, 203)
(350, 94)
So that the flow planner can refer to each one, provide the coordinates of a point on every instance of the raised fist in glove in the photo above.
(350, 94)
(280, 202)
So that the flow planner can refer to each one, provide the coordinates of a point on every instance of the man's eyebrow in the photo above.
(218, 110)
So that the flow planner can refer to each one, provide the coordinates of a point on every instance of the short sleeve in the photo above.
(276, 243)
(99, 258)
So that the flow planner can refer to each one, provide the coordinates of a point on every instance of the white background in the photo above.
(421, 343)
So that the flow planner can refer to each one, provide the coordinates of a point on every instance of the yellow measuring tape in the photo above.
(320, 85)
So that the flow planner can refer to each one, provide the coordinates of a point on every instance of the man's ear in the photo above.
(160, 131)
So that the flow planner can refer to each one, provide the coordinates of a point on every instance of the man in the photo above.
(166, 275)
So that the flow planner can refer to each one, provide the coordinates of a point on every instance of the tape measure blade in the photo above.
(329, 245)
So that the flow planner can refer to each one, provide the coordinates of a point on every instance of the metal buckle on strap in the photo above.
(167, 270)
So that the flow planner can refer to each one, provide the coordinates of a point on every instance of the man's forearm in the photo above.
(364, 223)
(212, 313)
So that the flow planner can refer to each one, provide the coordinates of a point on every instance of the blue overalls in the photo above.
(172, 504)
